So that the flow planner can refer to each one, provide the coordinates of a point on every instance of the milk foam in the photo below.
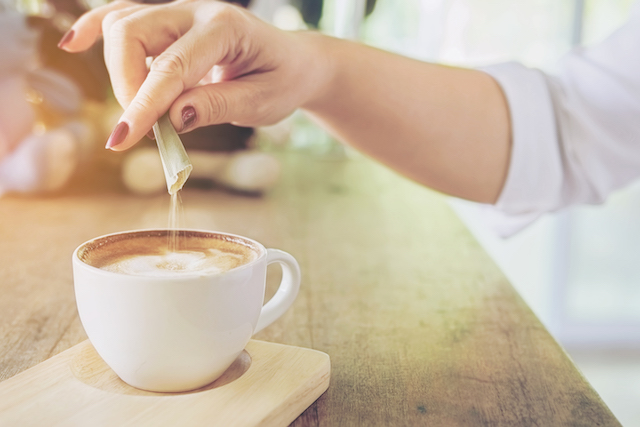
(208, 261)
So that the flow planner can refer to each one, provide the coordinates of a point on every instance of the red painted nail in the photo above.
(66, 38)
(118, 135)
(188, 116)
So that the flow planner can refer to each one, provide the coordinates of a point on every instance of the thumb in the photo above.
(242, 102)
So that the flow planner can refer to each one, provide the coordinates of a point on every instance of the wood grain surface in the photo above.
(421, 326)
(267, 385)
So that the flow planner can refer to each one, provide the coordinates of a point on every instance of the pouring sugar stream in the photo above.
(177, 168)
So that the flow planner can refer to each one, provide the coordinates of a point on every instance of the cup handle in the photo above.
(287, 291)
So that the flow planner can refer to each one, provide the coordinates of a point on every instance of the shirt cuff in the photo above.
(534, 178)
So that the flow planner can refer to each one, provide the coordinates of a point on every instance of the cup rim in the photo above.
(262, 253)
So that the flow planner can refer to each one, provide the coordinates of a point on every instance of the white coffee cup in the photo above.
(181, 332)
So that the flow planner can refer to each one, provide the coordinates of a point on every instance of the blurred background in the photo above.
(576, 269)
(579, 269)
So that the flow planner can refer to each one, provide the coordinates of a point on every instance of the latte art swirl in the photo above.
(209, 261)
(148, 253)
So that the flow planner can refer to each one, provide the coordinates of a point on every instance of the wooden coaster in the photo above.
(268, 385)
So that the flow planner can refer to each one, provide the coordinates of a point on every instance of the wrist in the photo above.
(320, 65)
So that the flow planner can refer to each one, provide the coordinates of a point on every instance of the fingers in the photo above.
(181, 66)
(117, 18)
(178, 68)
(86, 30)
(187, 39)
(137, 33)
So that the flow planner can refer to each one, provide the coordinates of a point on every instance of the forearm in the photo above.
(444, 127)
(447, 128)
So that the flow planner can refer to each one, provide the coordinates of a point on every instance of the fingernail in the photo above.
(188, 116)
(151, 135)
(66, 38)
(118, 135)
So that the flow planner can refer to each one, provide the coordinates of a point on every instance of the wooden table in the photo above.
(421, 326)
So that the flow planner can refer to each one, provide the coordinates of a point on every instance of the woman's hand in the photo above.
(214, 63)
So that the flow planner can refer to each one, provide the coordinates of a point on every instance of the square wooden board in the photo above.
(268, 385)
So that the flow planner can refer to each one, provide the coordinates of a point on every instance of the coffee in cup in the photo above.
(173, 321)
(150, 254)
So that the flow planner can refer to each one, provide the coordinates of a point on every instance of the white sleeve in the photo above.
(575, 133)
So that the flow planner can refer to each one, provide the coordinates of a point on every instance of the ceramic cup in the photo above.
(170, 334)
